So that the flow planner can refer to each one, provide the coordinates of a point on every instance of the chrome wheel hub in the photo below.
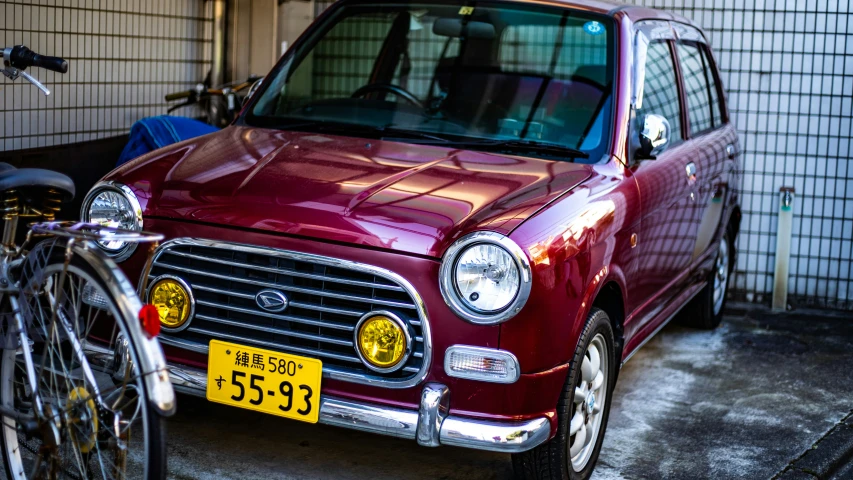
(590, 403)
(721, 275)
(589, 400)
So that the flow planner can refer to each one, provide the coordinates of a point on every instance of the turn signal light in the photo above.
(483, 364)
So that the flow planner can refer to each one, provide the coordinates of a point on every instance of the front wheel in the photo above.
(582, 411)
(84, 419)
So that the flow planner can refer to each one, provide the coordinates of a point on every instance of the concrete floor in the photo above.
(739, 402)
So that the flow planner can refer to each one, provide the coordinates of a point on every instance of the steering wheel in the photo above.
(388, 88)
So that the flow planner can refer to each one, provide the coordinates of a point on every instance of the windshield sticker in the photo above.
(593, 28)
(466, 11)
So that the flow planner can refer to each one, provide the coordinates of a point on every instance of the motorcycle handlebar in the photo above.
(22, 57)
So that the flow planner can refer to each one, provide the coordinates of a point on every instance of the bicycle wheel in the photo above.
(96, 420)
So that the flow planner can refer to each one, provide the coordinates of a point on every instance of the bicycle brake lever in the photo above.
(35, 82)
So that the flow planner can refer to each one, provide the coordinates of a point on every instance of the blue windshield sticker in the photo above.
(593, 28)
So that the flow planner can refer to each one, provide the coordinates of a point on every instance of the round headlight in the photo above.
(383, 342)
(115, 206)
(173, 300)
(485, 278)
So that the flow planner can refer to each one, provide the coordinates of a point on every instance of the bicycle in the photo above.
(221, 104)
(84, 386)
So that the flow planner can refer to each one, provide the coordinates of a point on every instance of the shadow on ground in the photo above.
(739, 402)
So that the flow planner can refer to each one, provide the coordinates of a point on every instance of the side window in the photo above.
(716, 105)
(660, 92)
(696, 87)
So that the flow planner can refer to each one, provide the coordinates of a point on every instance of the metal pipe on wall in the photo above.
(783, 249)
(217, 70)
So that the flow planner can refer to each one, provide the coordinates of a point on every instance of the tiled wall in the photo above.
(788, 68)
(124, 57)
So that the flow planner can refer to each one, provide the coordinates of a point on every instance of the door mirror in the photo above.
(654, 136)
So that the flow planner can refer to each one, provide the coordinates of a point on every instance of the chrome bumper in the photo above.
(430, 425)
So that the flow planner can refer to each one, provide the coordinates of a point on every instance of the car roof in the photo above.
(634, 12)
(606, 7)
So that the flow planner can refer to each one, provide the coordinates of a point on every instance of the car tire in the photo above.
(554, 460)
(705, 311)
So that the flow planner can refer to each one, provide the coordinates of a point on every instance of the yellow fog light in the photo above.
(383, 341)
(173, 300)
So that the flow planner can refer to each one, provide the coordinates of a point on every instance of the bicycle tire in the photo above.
(46, 262)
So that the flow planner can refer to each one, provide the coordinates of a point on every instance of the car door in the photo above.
(666, 238)
(714, 141)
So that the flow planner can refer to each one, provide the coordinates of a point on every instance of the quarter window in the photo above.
(697, 88)
(660, 92)
(716, 106)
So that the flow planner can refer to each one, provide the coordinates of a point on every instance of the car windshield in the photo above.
(492, 76)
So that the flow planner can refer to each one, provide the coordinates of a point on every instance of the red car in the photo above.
(450, 222)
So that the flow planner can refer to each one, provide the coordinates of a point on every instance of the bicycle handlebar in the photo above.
(22, 57)
(178, 96)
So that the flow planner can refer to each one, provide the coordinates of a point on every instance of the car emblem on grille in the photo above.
(271, 300)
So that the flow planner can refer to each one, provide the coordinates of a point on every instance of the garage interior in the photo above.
(788, 68)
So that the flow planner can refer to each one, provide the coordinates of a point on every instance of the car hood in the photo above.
(383, 194)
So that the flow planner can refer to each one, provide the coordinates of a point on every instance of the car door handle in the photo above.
(730, 151)
(691, 173)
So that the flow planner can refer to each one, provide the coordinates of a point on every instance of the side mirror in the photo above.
(654, 137)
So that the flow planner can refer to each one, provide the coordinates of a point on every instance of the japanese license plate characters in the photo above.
(265, 381)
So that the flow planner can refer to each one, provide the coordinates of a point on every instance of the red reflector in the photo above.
(150, 319)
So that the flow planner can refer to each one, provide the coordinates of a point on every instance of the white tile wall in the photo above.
(788, 68)
(124, 57)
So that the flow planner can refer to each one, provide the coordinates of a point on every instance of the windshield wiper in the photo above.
(522, 146)
(371, 131)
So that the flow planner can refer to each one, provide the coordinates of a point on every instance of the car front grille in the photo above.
(327, 297)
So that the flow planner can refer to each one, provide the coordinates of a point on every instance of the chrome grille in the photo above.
(326, 297)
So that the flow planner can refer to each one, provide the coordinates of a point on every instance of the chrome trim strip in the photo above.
(358, 416)
(448, 285)
(430, 425)
(287, 288)
(275, 331)
(419, 305)
(289, 318)
(283, 271)
(509, 437)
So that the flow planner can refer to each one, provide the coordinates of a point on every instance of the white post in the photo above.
(783, 249)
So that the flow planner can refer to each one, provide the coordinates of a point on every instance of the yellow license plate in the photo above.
(265, 381)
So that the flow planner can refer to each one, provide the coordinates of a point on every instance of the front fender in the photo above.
(148, 355)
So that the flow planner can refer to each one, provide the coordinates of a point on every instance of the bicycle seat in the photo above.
(12, 178)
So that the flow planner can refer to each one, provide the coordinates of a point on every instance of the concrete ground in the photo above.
(743, 401)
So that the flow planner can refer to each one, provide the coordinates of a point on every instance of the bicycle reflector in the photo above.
(150, 319)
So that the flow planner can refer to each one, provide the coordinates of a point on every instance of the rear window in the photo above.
(703, 103)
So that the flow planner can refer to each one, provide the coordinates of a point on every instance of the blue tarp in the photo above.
(152, 133)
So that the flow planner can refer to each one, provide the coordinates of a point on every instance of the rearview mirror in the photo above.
(654, 136)
(453, 27)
